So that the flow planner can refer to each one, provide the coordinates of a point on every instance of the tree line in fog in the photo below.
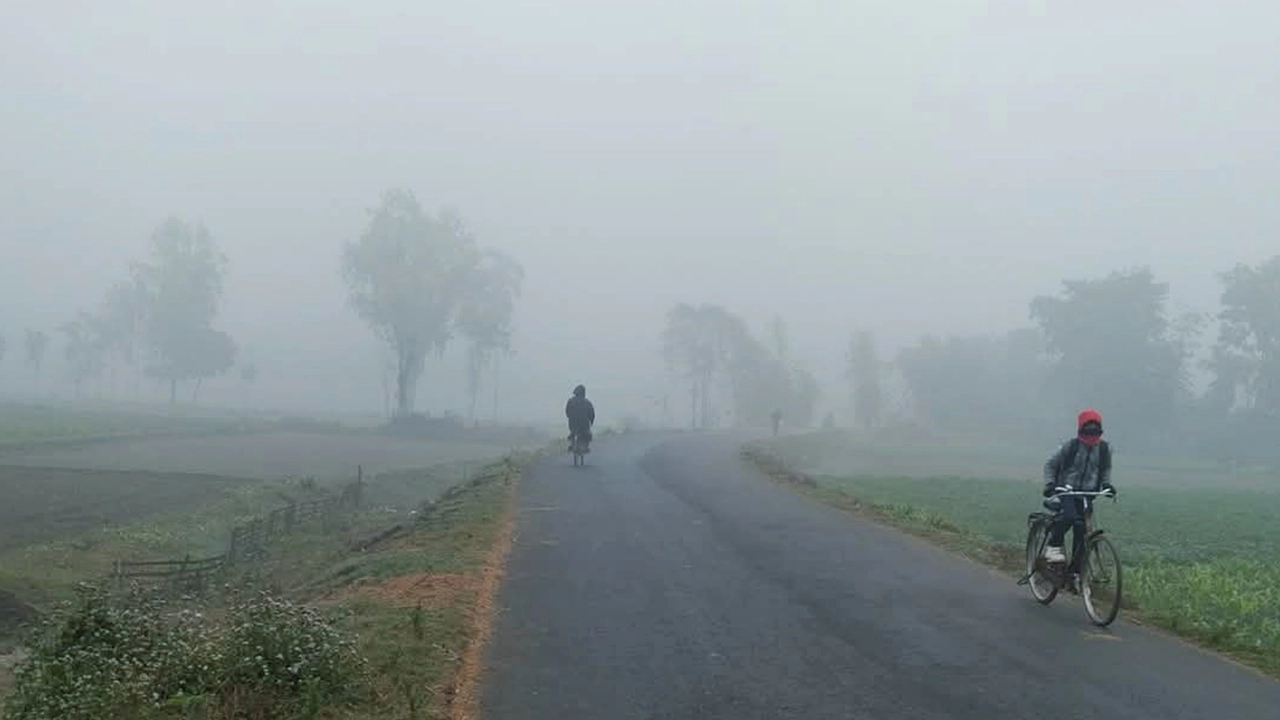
(1193, 383)
(1206, 382)
(419, 280)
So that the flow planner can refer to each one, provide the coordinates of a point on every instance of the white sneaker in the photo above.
(1054, 554)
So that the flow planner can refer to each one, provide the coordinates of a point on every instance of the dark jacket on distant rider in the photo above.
(581, 414)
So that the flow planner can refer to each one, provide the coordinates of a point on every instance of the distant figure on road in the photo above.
(581, 415)
(776, 417)
(1084, 464)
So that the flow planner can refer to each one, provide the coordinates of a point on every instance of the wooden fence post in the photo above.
(178, 581)
(359, 486)
(231, 545)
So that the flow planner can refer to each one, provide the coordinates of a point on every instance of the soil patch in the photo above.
(13, 612)
(427, 589)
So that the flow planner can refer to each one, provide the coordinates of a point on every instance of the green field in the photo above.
(71, 511)
(124, 516)
(43, 504)
(27, 424)
(61, 526)
(1151, 524)
(916, 453)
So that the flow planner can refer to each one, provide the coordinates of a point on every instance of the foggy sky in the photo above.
(908, 167)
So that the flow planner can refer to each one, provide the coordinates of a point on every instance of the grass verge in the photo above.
(417, 592)
(410, 593)
(1204, 564)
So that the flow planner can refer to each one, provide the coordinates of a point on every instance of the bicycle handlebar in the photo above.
(1068, 492)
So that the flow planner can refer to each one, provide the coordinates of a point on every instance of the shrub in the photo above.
(101, 657)
(288, 652)
(95, 658)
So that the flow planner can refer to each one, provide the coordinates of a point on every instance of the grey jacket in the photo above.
(1087, 472)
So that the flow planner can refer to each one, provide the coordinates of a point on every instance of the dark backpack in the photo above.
(1104, 459)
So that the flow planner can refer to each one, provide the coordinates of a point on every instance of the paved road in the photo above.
(664, 580)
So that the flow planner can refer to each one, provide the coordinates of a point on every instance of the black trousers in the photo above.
(1071, 515)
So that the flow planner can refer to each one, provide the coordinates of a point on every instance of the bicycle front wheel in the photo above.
(1101, 581)
(1042, 588)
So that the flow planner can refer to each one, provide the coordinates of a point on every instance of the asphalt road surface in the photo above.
(665, 580)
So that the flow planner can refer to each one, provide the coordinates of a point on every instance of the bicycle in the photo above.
(1101, 564)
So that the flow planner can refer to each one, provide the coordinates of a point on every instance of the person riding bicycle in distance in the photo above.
(581, 415)
(1083, 463)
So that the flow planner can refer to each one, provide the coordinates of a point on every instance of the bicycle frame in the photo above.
(1091, 531)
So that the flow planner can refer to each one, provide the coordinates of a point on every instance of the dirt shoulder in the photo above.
(417, 592)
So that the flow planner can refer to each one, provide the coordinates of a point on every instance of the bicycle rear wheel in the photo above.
(1101, 582)
(1043, 589)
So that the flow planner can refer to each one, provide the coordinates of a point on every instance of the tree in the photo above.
(85, 349)
(778, 334)
(864, 374)
(248, 376)
(386, 359)
(37, 345)
(1247, 356)
(758, 383)
(1024, 368)
(409, 276)
(122, 319)
(181, 287)
(694, 344)
(803, 393)
(762, 380)
(1111, 341)
(950, 379)
(962, 381)
(711, 347)
(485, 315)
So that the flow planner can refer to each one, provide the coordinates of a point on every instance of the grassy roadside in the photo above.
(931, 526)
(1205, 566)
(416, 592)
(390, 609)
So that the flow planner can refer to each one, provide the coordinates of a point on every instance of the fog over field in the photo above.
(901, 168)
(294, 295)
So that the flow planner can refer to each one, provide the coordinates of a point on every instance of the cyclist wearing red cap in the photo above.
(1083, 463)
